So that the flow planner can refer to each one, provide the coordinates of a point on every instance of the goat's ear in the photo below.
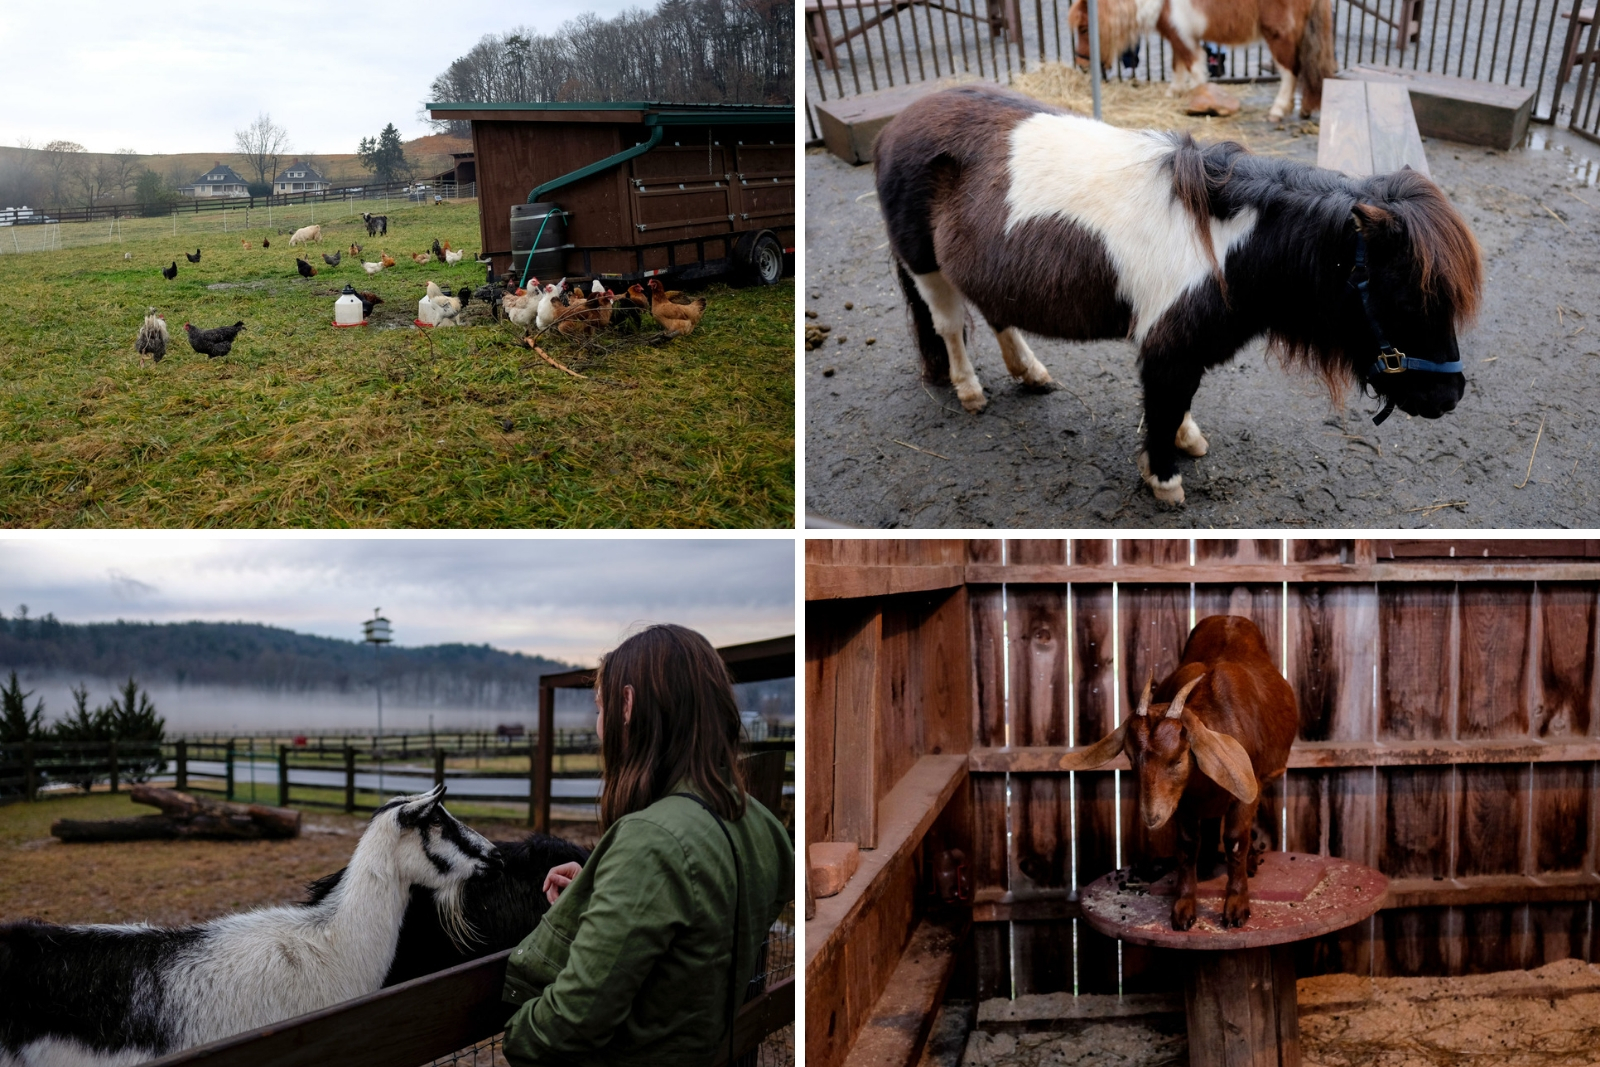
(1222, 759)
(1098, 754)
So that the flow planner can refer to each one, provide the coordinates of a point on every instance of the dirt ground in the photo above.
(170, 883)
(1544, 1018)
(885, 450)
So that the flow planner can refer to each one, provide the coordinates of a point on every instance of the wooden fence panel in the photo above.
(1566, 670)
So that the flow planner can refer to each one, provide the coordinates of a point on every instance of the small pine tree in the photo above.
(83, 725)
(17, 723)
(385, 157)
(134, 719)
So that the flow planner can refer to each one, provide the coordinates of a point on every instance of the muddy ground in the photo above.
(885, 450)
(1544, 1018)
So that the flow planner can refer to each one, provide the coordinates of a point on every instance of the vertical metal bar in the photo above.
(883, 38)
(349, 780)
(1511, 48)
(1494, 53)
(283, 776)
(949, 49)
(1094, 53)
(916, 40)
(1055, 20)
(1585, 79)
(1388, 46)
(1477, 55)
(1449, 35)
(844, 30)
(977, 42)
(933, 41)
(1038, 16)
(866, 44)
(1544, 63)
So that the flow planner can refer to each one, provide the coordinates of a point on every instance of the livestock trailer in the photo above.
(1449, 736)
(635, 189)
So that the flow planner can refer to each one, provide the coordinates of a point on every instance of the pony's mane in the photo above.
(1449, 260)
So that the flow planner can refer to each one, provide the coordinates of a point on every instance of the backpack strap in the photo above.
(738, 897)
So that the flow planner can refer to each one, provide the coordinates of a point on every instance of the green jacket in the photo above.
(631, 964)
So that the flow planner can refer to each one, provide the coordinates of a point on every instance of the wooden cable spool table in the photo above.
(1239, 993)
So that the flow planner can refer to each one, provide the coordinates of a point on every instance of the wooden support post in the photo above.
(438, 768)
(181, 783)
(547, 738)
(30, 780)
(349, 780)
(1241, 1007)
(228, 765)
(283, 776)
(111, 751)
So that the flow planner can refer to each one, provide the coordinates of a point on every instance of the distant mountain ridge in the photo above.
(256, 656)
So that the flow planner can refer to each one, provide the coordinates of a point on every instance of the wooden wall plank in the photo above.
(1561, 803)
(1332, 658)
(855, 735)
(1416, 677)
(991, 863)
(988, 666)
(1037, 625)
(1041, 846)
(1566, 660)
(947, 664)
(1494, 659)
(900, 708)
(1494, 819)
(1094, 671)
(1043, 957)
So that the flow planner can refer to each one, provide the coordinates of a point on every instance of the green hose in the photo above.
(528, 264)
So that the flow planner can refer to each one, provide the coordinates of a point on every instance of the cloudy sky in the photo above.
(157, 76)
(569, 599)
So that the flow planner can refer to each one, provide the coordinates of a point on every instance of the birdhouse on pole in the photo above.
(377, 629)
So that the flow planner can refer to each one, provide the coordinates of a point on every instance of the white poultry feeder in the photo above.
(347, 309)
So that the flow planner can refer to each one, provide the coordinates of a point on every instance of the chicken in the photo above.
(627, 311)
(244, 245)
(368, 301)
(547, 304)
(600, 308)
(372, 268)
(678, 320)
(596, 288)
(437, 251)
(355, 249)
(152, 339)
(386, 259)
(690, 309)
(213, 343)
(266, 242)
(192, 259)
(464, 295)
(453, 257)
(421, 257)
(572, 320)
(449, 307)
(306, 270)
(521, 306)
(171, 272)
(447, 246)
(127, 255)
(333, 260)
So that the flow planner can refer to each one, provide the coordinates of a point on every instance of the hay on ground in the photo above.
(1133, 105)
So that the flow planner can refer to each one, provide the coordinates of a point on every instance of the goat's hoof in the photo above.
(971, 396)
(1189, 439)
(1183, 913)
(1236, 911)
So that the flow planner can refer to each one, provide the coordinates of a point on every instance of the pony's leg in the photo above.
(1020, 360)
(1169, 387)
(1284, 101)
(1189, 438)
(949, 312)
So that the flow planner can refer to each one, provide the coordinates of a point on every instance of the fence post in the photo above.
(228, 756)
(182, 782)
(113, 750)
(349, 780)
(438, 768)
(283, 776)
(533, 780)
(30, 781)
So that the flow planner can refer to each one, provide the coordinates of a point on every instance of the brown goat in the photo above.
(1228, 707)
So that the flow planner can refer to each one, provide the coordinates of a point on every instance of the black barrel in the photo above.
(546, 223)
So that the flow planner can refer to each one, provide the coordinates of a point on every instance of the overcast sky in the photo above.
(568, 599)
(168, 77)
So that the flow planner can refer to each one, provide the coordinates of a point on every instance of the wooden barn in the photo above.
(641, 188)
(1448, 737)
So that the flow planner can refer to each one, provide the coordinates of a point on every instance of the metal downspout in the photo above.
(657, 133)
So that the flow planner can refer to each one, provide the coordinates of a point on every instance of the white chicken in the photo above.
(448, 306)
(520, 308)
(371, 268)
(597, 289)
(152, 339)
(548, 310)
(453, 257)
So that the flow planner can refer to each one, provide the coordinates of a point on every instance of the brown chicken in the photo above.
(387, 260)
(678, 320)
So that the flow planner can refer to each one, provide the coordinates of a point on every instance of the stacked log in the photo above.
(184, 816)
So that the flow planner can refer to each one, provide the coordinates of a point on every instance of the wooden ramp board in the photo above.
(1369, 128)
(1458, 109)
(851, 124)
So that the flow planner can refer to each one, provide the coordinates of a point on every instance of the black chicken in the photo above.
(306, 270)
(213, 343)
(192, 259)
(438, 253)
(171, 272)
(368, 302)
(265, 243)
(333, 260)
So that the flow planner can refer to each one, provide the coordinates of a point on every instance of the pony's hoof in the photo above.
(1169, 490)
(971, 396)
(1190, 439)
(1275, 115)
(1037, 377)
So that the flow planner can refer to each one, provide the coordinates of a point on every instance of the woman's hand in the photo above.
(559, 878)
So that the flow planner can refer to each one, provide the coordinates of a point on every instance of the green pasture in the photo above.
(304, 425)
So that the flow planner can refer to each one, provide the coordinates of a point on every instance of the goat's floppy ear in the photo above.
(1222, 759)
(1098, 754)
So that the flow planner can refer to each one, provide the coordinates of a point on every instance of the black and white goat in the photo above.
(500, 906)
(110, 996)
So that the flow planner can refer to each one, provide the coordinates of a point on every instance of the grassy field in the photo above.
(303, 425)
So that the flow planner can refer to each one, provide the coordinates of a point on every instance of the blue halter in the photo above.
(1390, 359)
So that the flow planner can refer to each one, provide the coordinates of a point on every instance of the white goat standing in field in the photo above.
(111, 996)
(306, 234)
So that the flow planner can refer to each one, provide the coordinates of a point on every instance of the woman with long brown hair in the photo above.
(645, 954)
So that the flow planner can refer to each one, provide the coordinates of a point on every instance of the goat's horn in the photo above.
(1175, 710)
(1144, 698)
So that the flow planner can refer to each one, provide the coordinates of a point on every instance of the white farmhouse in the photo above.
(298, 177)
(220, 180)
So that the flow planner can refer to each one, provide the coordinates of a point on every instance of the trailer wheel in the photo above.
(761, 259)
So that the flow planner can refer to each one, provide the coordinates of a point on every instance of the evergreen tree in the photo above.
(81, 724)
(17, 723)
(384, 157)
(134, 719)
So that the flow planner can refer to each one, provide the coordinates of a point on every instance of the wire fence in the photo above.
(857, 46)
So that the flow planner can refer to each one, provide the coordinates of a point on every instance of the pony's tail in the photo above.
(1315, 55)
(935, 356)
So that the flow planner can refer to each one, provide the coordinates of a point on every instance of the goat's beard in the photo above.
(463, 935)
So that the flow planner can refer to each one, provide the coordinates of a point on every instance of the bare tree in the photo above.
(261, 143)
(60, 163)
(121, 170)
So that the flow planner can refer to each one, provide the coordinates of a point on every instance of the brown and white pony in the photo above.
(1298, 32)
(1051, 223)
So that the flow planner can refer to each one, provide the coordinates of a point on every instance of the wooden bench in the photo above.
(1459, 109)
(850, 124)
(1368, 128)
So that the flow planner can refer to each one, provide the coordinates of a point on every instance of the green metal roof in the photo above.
(658, 113)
